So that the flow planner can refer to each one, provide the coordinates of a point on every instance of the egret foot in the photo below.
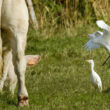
(23, 101)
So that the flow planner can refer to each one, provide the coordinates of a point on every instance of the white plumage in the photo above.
(92, 43)
(99, 38)
(94, 77)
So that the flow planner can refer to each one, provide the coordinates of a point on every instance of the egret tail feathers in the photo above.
(100, 88)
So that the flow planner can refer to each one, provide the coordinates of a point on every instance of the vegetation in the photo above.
(61, 80)
(68, 13)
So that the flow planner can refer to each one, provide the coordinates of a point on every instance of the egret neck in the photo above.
(92, 67)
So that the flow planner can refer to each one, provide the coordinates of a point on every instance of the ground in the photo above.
(61, 80)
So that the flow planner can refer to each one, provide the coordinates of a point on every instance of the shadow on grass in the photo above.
(107, 90)
(7, 98)
(12, 102)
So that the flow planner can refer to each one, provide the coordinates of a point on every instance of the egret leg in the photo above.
(106, 60)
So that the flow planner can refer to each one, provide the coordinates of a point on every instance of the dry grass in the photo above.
(65, 13)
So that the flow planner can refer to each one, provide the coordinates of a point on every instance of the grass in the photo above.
(61, 80)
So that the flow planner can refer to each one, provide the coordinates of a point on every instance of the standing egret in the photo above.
(94, 77)
(98, 38)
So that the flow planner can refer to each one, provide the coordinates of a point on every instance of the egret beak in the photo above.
(106, 60)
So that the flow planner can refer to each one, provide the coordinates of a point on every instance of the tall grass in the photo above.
(67, 13)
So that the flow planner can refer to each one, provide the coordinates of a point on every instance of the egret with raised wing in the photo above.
(99, 38)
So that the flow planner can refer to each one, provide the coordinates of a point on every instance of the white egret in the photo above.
(94, 77)
(98, 38)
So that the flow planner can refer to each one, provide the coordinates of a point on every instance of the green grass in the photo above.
(61, 79)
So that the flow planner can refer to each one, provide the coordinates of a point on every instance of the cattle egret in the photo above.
(98, 38)
(94, 77)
